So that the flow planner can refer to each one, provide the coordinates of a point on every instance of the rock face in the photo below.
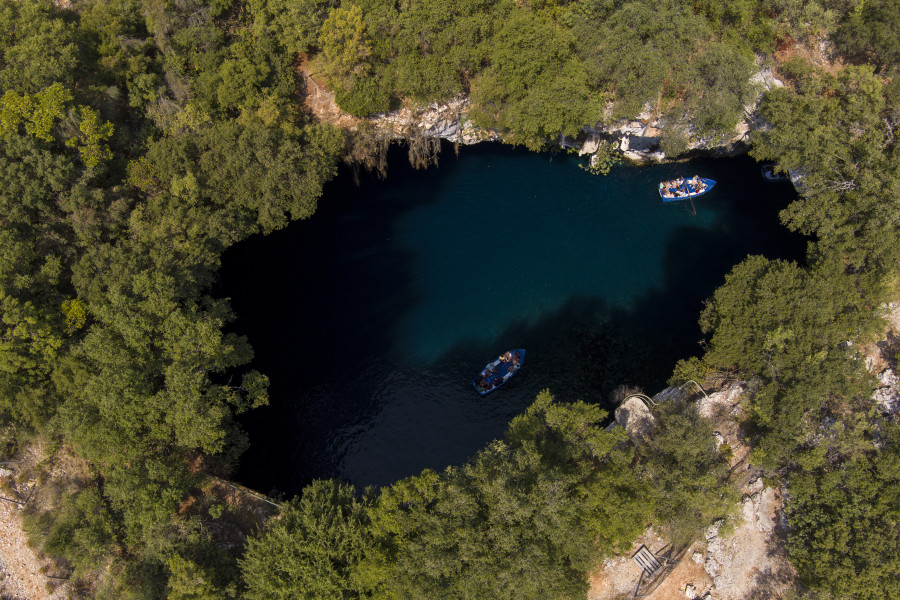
(637, 139)
(447, 121)
(636, 418)
(746, 560)
(887, 395)
(723, 401)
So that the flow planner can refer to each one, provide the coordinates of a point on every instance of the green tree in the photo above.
(311, 550)
(296, 23)
(868, 34)
(81, 529)
(637, 51)
(38, 47)
(843, 534)
(344, 43)
(534, 89)
(686, 473)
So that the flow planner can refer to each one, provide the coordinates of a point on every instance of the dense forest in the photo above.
(141, 138)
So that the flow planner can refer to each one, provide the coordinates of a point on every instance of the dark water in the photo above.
(372, 318)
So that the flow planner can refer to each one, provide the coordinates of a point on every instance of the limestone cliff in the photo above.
(637, 139)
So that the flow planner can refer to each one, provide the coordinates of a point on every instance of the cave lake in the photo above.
(372, 317)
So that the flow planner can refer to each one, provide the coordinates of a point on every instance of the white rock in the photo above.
(727, 398)
(764, 520)
(720, 439)
(756, 485)
(713, 530)
(636, 418)
(690, 591)
(748, 511)
(5, 473)
(590, 146)
(697, 557)
(711, 566)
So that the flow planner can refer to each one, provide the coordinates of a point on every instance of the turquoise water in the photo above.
(372, 317)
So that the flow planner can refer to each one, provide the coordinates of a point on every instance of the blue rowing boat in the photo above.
(684, 189)
(499, 372)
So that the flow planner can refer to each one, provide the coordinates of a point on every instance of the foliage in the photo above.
(686, 473)
(604, 159)
(364, 97)
(868, 34)
(438, 43)
(837, 131)
(534, 88)
(39, 46)
(81, 529)
(344, 42)
(843, 520)
(295, 23)
(638, 50)
(525, 518)
(788, 327)
(722, 74)
(312, 549)
(139, 140)
(674, 140)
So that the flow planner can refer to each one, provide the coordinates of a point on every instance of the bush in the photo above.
(365, 97)
(81, 529)
(674, 141)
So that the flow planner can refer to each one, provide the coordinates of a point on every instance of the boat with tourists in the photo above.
(499, 371)
(769, 173)
(683, 189)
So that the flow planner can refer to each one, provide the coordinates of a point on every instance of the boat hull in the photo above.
(497, 373)
(691, 191)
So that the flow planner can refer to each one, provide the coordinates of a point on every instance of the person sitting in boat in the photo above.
(505, 357)
(516, 358)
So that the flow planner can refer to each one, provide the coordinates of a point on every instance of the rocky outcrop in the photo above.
(750, 558)
(637, 139)
(636, 418)
(444, 120)
(881, 358)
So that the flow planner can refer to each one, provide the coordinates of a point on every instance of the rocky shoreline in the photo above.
(637, 140)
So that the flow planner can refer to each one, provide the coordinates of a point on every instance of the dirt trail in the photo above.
(320, 101)
(21, 569)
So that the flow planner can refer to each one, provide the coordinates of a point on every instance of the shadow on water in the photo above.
(320, 302)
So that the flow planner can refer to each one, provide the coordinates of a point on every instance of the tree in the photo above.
(39, 46)
(843, 534)
(345, 45)
(837, 131)
(296, 23)
(517, 521)
(534, 88)
(311, 550)
(868, 34)
(686, 473)
(637, 51)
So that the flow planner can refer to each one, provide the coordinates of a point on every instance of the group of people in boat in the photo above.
(678, 188)
(494, 374)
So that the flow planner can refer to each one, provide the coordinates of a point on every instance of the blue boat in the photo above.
(499, 372)
(684, 189)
